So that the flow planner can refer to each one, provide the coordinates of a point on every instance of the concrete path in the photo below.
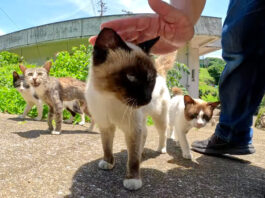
(34, 163)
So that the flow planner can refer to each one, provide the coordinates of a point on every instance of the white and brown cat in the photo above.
(126, 88)
(54, 91)
(185, 113)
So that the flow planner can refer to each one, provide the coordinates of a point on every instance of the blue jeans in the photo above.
(242, 83)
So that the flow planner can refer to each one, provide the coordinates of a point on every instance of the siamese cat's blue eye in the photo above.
(131, 77)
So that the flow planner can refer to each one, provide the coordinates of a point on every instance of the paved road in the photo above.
(34, 163)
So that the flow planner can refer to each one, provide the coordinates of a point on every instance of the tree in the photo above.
(215, 71)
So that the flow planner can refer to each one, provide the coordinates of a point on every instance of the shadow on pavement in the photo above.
(26, 119)
(36, 133)
(209, 177)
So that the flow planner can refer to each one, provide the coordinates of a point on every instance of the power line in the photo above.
(9, 18)
(93, 7)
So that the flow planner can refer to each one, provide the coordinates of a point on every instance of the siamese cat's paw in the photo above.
(132, 184)
(187, 155)
(56, 132)
(105, 165)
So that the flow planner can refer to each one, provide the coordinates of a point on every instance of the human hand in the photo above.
(172, 25)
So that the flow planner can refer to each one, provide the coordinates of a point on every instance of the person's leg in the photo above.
(242, 84)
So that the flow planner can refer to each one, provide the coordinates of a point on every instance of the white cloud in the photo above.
(2, 32)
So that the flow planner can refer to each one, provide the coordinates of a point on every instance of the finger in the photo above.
(92, 40)
(169, 13)
(126, 24)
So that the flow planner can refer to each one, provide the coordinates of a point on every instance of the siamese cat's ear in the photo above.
(213, 105)
(47, 66)
(22, 68)
(109, 39)
(15, 75)
(188, 100)
(147, 45)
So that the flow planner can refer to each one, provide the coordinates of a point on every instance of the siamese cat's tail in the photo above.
(176, 91)
(165, 62)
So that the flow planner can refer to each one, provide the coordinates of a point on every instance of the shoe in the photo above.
(216, 146)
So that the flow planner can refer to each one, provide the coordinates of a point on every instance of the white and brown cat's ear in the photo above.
(147, 45)
(22, 68)
(213, 105)
(47, 66)
(188, 100)
(15, 75)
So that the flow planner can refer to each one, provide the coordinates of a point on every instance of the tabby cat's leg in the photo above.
(40, 110)
(134, 146)
(58, 111)
(107, 136)
(26, 110)
(50, 118)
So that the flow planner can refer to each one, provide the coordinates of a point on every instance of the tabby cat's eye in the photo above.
(39, 74)
(30, 74)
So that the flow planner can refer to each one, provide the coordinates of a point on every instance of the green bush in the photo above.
(75, 64)
(8, 58)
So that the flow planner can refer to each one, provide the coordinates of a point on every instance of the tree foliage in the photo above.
(215, 71)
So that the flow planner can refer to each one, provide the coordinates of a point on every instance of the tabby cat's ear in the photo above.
(47, 66)
(147, 45)
(15, 75)
(109, 39)
(188, 100)
(22, 68)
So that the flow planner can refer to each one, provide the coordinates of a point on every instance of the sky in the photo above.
(20, 14)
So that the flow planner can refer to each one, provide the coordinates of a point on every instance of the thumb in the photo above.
(169, 13)
(92, 40)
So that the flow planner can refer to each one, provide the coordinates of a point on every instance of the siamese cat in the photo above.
(125, 86)
(185, 113)
(54, 91)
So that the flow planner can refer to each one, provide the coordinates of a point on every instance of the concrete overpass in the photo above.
(38, 44)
